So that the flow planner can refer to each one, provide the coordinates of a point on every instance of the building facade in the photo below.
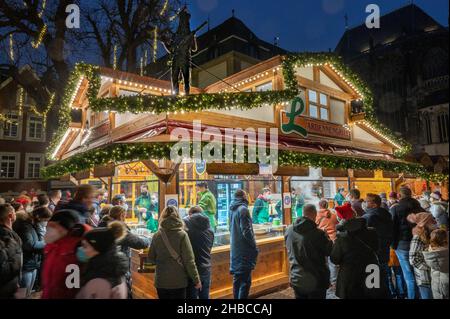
(222, 51)
(405, 62)
(24, 138)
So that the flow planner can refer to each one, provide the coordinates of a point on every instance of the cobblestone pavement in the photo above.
(289, 294)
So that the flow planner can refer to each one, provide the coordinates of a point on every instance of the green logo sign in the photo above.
(291, 126)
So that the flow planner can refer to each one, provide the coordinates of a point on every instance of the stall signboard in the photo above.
(265, 169)
(200, 167)
(294, 122)
(171, 200)
(287, 200)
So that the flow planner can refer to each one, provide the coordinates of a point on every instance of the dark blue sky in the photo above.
(303, 25)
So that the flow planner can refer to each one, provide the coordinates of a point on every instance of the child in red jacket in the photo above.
(63, 238)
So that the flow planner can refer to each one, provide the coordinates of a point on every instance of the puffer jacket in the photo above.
(439, 211)
(354, 249)
(307, 248)
(437, 260)
(32, 243)
(10, 262)
(243, 250)
(202, 240)
(104, 277)
(209, 205)
(169, 273)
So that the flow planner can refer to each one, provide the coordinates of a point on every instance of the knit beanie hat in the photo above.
(66, 218)
(345, 211)
(436, 195)
(104, 238)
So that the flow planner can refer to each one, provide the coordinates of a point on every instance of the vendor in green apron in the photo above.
(144, 208)
(339, 198)
(261, 209)
(207, 202)
(298, 201)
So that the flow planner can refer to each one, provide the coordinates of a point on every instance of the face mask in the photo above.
(81, 255)
(29, 209)
(125, 206)
(52, 235)
(43, 225)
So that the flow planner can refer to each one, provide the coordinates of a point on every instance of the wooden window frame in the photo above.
(318, 105)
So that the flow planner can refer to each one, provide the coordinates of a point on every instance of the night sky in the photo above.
(303, 25)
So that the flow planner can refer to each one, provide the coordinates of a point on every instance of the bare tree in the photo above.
(128, 25)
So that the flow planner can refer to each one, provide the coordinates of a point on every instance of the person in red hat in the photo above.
(345, 212)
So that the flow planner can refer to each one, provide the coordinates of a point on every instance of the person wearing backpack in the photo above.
(172, 253)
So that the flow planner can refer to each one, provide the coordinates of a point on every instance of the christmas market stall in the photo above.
(315, 113)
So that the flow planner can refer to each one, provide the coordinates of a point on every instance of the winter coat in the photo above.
(10, 262)
(104, 277)
(202, 240)
(422, 271)
(437, 260)
(57, 256)
(357, 207)
(32, 242)
(209, 205)
(354, 249)
(381, 220)
(260, 214)
(403, 228)
(439, 212)
(169, 273)
(80, 208)
(327, 222)
(243, 250)
(307, 248)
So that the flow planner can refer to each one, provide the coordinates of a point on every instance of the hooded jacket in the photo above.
(354, 249)
(437, 260)
(10, 262)
(327, 221)
(381, 220)
(402, 228)
(57, 256)
(104, 276)
(307, 248)
(169, 273)
(202, 240)
(32, 243)
(243, 250)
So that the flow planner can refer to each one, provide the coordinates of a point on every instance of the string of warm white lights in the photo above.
(11, 47)
(376, 131)
(115, 57)
(155, 44)
(252, 79)
(164, 8)
(36, 43)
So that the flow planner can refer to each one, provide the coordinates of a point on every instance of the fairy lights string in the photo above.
(155, 44)
(11, 47)
(164, 8)
(115, 57)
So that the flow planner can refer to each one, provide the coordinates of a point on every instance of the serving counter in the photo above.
(271, 270)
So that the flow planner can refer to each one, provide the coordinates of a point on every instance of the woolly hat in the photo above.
(345, 211)
(66, 218)
(104, 238)
(436, 195)
(393, 195)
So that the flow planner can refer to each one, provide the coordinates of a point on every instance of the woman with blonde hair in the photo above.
(425, 224)
(171, 252)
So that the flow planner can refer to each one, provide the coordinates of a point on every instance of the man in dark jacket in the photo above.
(403, 235)
(243, 250)
(308, 248)
(27, 227)
(381, 220)
(10, 253)
(201, 236)
(81, 202)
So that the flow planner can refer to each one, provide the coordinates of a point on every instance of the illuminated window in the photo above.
(318, 105)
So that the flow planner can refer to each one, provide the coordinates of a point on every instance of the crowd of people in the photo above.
(379, 247)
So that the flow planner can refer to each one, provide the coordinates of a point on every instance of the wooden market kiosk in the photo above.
(121, 140)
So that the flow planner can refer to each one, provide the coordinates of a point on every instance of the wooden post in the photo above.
(170, 188)
(287, 212)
